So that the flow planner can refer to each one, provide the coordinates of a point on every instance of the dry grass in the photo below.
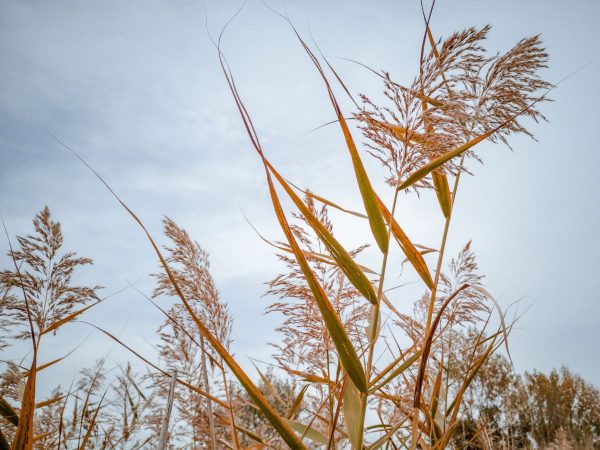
(357, 372)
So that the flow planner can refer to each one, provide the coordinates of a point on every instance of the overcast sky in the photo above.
(136, 88)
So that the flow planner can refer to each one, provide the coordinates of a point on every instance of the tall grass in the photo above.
(358, 372)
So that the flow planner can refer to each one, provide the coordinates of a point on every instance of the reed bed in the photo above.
(349, 370)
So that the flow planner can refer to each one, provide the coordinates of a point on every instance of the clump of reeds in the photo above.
(460, 97)
(345, 348)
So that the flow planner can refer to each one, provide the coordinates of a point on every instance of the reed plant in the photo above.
(358, 372)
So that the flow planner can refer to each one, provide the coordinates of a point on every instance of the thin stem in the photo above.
(438, 269)
(415, 430)
(375, 323)
(234, 437)
(164, 432)
(211, 419)
(330, 395)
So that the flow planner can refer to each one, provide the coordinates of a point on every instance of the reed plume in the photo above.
(183, 348)
(466, 93)
(44, 277)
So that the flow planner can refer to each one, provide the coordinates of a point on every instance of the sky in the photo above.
(136, 88)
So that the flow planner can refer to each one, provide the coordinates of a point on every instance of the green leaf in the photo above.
(437, 162)
(373, 314)
(354, 407)
(343, 259)
(346, 351)
(405, 365)
(307, 432)
(442, 190)
(409, 249)
(297, 403)
(376, 222)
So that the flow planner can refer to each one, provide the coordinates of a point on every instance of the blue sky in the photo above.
(136, 88)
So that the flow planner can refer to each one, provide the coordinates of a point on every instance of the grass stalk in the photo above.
(164, 431)
(209, 410)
